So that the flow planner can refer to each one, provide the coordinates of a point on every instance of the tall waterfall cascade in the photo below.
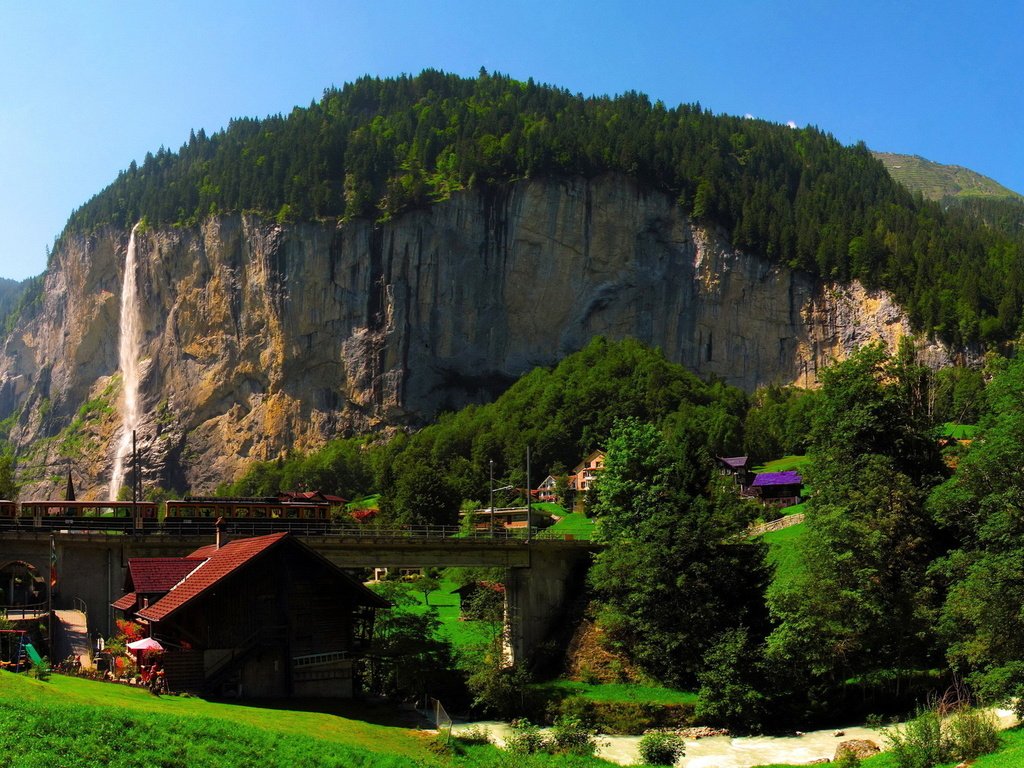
(129, 352)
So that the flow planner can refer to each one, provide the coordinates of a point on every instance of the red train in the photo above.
(301, 513)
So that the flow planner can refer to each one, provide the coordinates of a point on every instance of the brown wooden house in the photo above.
(778, 489)
(259, 617)
(739, 468)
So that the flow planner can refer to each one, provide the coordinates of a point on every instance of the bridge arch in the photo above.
(21, 583)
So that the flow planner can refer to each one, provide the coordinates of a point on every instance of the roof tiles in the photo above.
(789, 477)
(219, 564)
(159, 574)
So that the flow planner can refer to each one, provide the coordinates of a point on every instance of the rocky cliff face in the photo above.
(261, 339)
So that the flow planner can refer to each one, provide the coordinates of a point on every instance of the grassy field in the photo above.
(575, 524)
(783, 464)
(74, 723)
(611, 693)
(70, 721)
(784, 552)
(461, 634)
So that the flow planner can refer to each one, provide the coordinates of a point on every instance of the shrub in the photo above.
(41, 669)
(926, 740)
(576, 706)
(847, 760)
(525, 739)
(972, 733)
(475, 734)
(918, 743)
(659, 748)
(570, 736)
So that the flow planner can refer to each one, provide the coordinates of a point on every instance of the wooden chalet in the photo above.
(259, 617)
(778, 489)
(739, 468)
(311, 497)
(148, 579)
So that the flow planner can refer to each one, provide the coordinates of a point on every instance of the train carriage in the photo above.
(308, 514)
(122, 516)
(8, 514)
(249, 516)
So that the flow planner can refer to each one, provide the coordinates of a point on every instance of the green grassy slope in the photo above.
(75, 723)
(784, 552)
(576, 524)
(783, 464)
(936, 181)
(621, 692)
(70, 721)
(461, 634)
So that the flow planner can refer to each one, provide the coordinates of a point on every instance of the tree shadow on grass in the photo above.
(373, 711)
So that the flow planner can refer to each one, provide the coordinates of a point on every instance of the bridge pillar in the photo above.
(537, 598)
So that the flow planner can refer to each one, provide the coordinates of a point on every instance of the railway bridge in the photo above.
(540, 574)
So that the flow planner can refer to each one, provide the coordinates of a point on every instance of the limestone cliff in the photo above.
(261, 339)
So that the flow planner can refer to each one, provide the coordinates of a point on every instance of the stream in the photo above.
(729, 751)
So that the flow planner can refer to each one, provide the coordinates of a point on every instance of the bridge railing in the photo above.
(205, 528)
(21, 612)
(356, 531)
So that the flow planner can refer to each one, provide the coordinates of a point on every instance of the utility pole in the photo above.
(529, 497)
(135, 472)
(491, 507)
(51, 641)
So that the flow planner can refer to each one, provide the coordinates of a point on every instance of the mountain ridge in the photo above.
(937, 181)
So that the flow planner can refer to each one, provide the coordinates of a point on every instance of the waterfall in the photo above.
(129, 351)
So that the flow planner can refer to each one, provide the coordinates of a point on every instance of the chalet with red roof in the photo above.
(259, 617)
(150, 578)
(311, 497)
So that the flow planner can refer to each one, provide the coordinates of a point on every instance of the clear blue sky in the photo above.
(87, 87)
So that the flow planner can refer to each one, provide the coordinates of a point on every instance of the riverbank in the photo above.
(733, 751)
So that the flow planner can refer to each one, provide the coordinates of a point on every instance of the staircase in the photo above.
(72, 637)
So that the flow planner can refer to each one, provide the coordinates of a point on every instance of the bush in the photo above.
(570, 736)
(475, 734)
(40, 670)
(972, 733)
(575, 706)
(927, 741)
(525, 739)
(659, 748)
(918, 743)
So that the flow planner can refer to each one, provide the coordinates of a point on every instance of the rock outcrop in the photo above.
(261, 339)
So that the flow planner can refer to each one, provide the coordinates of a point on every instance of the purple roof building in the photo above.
(778, 488)
(789, 477)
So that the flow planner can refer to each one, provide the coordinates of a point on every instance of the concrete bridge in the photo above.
(539, 574)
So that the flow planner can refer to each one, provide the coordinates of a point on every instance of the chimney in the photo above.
(217, 525)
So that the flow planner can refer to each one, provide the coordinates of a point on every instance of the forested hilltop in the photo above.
(377, 147)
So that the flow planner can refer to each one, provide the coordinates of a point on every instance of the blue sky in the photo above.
(85, 88)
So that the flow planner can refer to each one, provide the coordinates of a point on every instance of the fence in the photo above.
(22, 612)
(442, 722)
(776, 525)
